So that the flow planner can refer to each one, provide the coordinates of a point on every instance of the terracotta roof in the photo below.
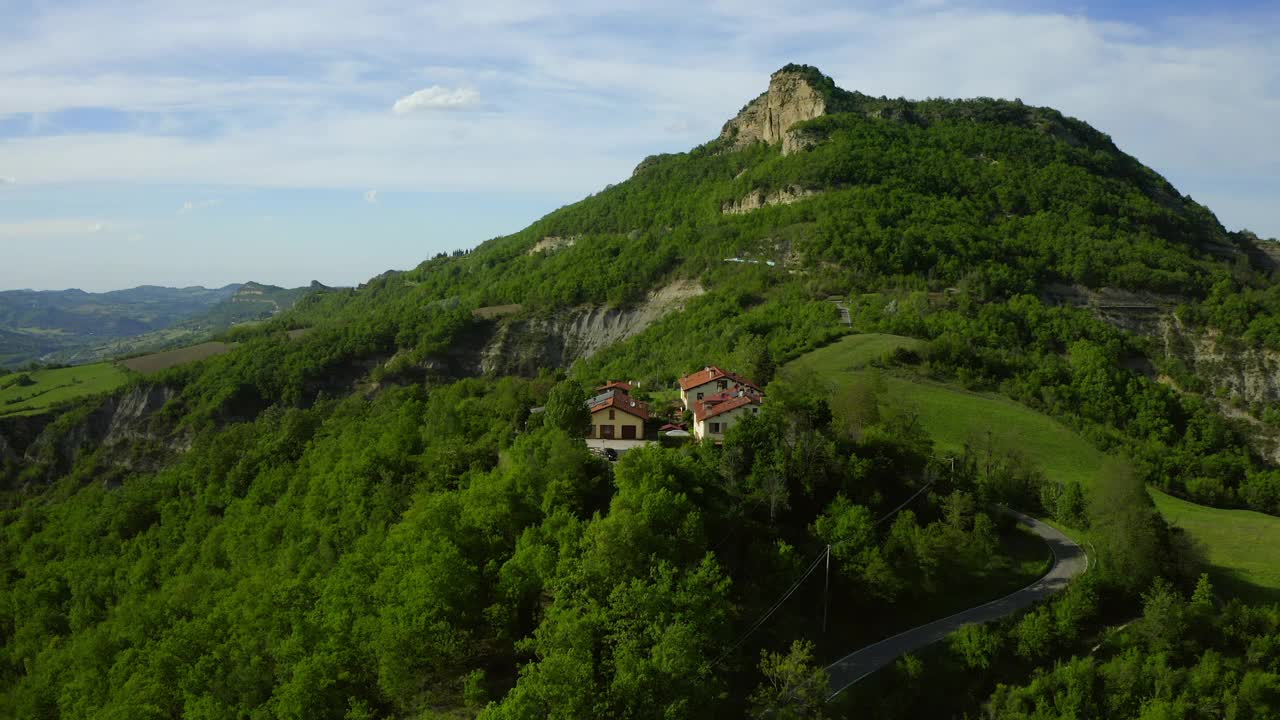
(623, 402)
(615, 384)
(712, 373)
(704, 410)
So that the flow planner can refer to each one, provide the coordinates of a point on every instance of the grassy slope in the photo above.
(1243, 546)
(55, 386)
(953, 416)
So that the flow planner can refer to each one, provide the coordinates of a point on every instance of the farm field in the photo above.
(155, 362)
(1243, 546)
(954, 416)
(35, 392)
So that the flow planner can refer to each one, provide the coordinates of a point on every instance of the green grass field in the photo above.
(50, 387)
(1242, 546)
(954, 416)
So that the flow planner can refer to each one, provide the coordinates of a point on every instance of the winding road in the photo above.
(1069, 560)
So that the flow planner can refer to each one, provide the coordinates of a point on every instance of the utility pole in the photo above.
(826, 587)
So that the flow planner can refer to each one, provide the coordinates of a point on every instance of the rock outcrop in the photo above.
(552, 243)
(792, 97)
(123, 420)
(523, 347)
(1235, 376)
(759, 198)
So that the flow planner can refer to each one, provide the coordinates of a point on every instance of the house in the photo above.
(617, 415)
(608, 390)
(710, 381)
(715, 414)
(615, 385)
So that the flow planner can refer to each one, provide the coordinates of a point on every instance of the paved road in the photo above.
(1069, 561)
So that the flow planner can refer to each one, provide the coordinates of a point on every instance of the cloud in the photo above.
(193, 205)
(590, 88)
(49, 229)
(6, 180)
(371, 196)
(436, 97)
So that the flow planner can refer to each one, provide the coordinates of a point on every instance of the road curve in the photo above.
(1069, 560)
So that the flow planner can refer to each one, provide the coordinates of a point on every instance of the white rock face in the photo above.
(759, 198)
(789, 100)
(522, 347)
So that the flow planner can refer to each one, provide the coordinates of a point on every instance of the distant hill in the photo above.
(74, 326)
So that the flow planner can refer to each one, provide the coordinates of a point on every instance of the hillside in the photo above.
(353, 512)
(75, 327)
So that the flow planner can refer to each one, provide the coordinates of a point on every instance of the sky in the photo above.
(198, 143)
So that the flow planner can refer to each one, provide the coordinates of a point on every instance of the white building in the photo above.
(709, 381)
(714, 415)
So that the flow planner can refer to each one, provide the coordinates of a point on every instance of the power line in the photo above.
(890, 514)
(785, 596)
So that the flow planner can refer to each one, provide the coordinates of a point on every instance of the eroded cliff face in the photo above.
(522, 347)
(1237, 378)
(790, 99)
(121, 421)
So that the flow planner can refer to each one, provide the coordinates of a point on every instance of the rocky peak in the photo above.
(796, 93)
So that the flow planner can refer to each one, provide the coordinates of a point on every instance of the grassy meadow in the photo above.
(35, 392)
(1243, 547)
(954, 416)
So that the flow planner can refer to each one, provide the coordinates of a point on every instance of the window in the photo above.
(722, 384)
(715, 427)
(606, 432)
(610, 413)
(755, 411)
(699, 396)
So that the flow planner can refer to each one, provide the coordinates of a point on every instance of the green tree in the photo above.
(1126, 527)
(795, 688)
(566, 408)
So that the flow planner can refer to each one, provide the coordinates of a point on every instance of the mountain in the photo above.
(355, 512)
(73, 326)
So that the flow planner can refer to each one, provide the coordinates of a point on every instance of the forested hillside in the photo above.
(73, 326)
(359, 522)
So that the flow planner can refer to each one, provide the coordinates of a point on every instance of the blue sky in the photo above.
(184, 143)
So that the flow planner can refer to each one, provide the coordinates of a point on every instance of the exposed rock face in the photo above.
(1234, 374)
(790, 99)
(523, 347)
(759, 199)
(796, 140)
(551, 243)
(123, 418)
(1141, 313)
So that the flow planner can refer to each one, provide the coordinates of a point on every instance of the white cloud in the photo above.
(588, 92)
(371, 196)
(193, 205)
(436, 97)
(48, 229)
